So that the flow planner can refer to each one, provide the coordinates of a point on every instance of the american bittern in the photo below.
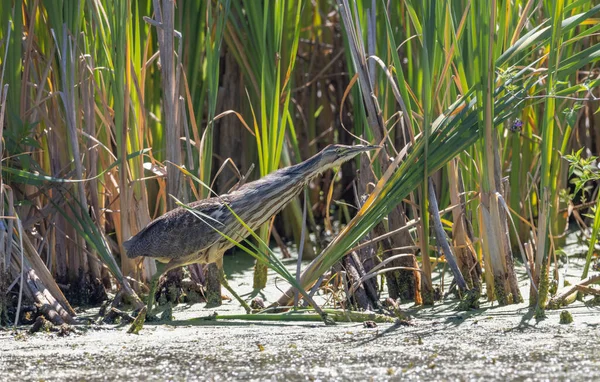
(181, 237)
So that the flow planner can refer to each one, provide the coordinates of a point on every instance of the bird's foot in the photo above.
(327, 320)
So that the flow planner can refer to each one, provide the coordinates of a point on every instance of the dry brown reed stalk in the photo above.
(164, 13)
(5, 237)
(462, 235)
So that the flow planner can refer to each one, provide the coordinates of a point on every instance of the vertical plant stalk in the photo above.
(137, 51)
(121, 102)
(521, 157)
(301, 248)
(5, 238)
(164, 12)
(215, 29)
(463, 242)
(427, 62)
(68, 65)
(441, 239)
(369, 255)
(500, 276)
(593, 239)
(548, 194)
(89, 122)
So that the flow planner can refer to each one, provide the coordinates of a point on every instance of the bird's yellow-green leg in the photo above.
(160, 269)
(223, 281)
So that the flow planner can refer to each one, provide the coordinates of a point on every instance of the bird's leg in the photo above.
(160, 269)
(223, 281)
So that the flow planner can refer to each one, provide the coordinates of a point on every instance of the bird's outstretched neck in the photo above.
(254, 203)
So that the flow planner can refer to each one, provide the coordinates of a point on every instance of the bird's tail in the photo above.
(130, 248)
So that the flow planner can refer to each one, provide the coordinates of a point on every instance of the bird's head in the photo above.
(334, 155)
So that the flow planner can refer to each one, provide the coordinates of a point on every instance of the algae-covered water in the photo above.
(493, 343)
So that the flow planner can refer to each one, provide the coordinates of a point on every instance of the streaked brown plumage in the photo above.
(181, 237)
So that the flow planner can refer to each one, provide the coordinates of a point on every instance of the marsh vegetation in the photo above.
(113, 113)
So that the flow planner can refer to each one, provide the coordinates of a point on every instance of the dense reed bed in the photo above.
(486, 111)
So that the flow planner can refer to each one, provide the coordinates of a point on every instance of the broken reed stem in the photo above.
(559, 300)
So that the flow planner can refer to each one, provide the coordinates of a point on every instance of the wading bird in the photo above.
(202, 232)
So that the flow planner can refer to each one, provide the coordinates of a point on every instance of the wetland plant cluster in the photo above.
(113, 112)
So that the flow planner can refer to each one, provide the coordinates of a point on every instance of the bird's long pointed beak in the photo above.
(363, 148)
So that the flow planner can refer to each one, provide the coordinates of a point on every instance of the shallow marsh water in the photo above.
(493, 343)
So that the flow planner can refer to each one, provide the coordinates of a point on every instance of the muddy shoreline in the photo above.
(492, 343)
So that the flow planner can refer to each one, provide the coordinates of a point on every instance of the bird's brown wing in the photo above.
(180, 233)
